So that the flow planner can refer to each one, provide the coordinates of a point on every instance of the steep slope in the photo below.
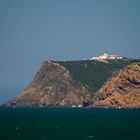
(122, 90)
(53, 86)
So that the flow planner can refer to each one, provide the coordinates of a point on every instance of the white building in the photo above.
(106, 56)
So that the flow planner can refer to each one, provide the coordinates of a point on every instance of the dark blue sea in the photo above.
(69, 124)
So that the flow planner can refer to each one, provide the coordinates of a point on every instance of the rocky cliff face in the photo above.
(60, 84)
(53, 86)
(122, 90)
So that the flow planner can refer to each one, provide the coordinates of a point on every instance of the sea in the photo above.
(69, 124)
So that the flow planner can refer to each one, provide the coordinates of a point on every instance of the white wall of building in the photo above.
(106, 56)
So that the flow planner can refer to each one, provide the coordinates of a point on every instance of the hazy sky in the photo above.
(34, 30)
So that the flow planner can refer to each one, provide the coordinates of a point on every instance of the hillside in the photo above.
(70, 83)
(52, 86)
(122, 90)
(94, 73)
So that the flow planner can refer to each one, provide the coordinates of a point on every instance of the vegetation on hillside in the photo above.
(93, 73)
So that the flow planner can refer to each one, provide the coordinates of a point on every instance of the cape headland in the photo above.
(114, 83)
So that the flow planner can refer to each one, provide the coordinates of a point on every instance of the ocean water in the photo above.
(69, 124)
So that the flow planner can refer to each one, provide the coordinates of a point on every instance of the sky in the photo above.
(32, 31)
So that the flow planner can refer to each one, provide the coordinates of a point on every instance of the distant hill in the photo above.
(67, 83)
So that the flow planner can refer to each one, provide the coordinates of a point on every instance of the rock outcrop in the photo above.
(122, 90)
(53, 86)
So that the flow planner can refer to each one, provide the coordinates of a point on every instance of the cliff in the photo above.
(78, 83)
(53, 86)
(122, 90)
